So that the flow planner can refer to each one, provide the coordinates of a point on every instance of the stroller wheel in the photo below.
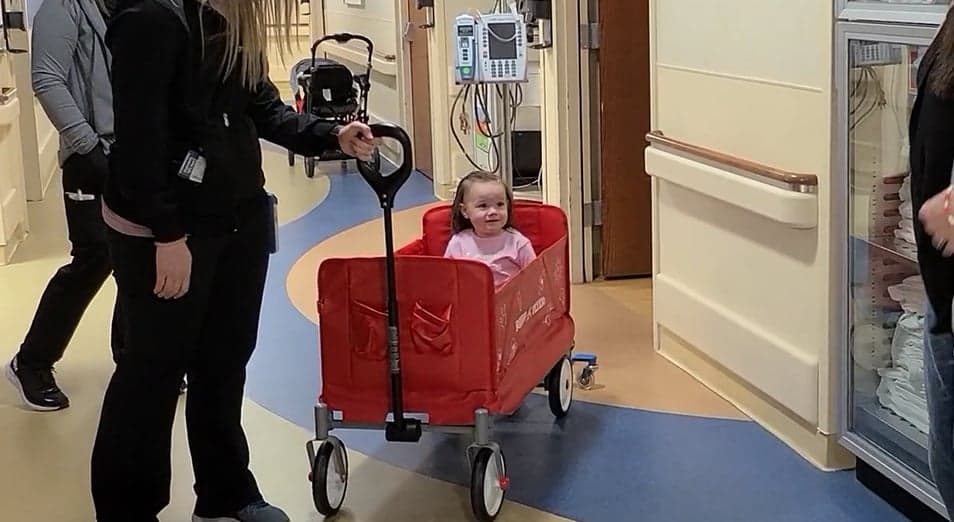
(560, 387)
(329, 477)
(310, 167)
(488, 484)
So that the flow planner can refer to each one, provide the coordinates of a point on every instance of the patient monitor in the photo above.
(491, 48)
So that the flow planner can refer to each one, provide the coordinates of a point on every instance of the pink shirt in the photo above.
(505, 254)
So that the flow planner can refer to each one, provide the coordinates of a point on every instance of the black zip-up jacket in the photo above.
(931, 134)
(169, 97)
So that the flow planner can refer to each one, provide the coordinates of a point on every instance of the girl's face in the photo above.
(485, 206)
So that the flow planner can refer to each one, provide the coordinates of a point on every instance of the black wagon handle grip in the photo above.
(387, 187)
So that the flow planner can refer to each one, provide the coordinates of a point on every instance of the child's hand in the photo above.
(936, 217)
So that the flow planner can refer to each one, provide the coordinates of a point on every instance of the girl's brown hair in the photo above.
(459, 221)
(941, 80)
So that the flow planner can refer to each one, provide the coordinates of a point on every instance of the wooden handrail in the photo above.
(797, 181)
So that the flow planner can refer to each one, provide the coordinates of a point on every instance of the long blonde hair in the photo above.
(248, 23)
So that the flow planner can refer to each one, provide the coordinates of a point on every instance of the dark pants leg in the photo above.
(939, 384)
(74, 286)
(220, 452)
(209, 334)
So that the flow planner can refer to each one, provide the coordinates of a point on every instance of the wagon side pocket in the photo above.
(370, 338)
(430, 332)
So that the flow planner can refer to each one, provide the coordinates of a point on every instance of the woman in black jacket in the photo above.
(190, 234)
(932, 158)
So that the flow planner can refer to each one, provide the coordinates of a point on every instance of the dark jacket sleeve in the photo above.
(277, 122)
(146, 44)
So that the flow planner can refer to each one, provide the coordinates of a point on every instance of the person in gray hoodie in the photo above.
(71, 78)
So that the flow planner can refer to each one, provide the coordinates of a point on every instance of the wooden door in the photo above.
(625, 189)
(420, 88)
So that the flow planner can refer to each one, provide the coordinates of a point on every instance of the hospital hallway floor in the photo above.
(648, 443)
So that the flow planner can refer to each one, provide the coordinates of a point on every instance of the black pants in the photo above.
(74, 286)
(209, 334)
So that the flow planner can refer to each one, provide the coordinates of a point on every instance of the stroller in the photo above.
(329, 90)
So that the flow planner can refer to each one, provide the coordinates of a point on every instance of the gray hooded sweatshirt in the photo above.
(71, 74)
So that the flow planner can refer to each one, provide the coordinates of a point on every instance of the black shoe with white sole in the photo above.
(37, 388)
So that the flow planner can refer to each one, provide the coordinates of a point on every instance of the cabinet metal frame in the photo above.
(875, 456)
(856, 11)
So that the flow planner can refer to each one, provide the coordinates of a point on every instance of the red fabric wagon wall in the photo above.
(464, 345)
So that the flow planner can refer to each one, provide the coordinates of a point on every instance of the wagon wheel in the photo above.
(488, 484)
(560, 387)
(329, 477)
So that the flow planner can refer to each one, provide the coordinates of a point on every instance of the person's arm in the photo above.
(304, 134)
(146, 43)
(55, 35)
(279, 123)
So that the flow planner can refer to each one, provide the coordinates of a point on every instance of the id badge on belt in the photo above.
(193, 167)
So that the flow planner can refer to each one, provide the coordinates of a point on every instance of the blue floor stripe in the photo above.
(601, 463)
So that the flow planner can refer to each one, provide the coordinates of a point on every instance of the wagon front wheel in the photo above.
(560, 387)
(329, 477)
(488, 484)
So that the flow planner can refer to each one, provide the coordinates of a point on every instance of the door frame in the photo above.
(405, 88)
(406, 80)
(567, 175)
(590, 145)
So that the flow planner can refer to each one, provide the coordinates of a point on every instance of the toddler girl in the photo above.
(482, 230)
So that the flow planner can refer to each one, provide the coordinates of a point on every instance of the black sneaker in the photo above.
(37, 388)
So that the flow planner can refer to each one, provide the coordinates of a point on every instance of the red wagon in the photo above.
(468, 351)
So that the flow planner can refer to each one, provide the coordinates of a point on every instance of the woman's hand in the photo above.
(936, 217)
(355, 140)
(173, 269)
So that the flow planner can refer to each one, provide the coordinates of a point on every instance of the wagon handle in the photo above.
(401, 428)
(387, 187)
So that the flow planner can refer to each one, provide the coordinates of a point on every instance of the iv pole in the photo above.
(506, 137)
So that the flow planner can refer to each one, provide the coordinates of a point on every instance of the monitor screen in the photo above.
(503, 45)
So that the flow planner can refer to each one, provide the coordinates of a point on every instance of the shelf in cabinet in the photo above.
(881, 426)
(886, 245)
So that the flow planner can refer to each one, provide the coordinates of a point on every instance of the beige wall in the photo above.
(13, 211)
(743, 288)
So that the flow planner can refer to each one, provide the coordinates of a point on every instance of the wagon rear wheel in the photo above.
(560, 387)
